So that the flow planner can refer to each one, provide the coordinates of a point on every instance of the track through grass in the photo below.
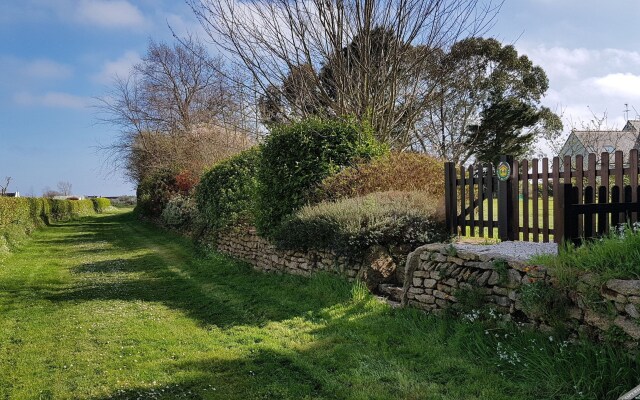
(108, 307)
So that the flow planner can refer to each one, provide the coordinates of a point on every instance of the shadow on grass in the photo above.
(213, 290)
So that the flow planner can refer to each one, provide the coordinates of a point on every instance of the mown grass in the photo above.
(484, 234)
(107, 307)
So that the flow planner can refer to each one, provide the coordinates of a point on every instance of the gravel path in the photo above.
(516, 250)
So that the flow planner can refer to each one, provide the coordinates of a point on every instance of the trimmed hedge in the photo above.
(226, 193)
(406, 172)
(296, 158)
(351, 225)
(21, 216)
(101, 204)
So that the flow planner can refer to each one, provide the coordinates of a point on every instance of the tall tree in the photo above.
(355, 57)
(176, 109)
(478, 79)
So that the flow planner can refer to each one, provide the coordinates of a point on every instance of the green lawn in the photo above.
(108, 307)
(530, 219)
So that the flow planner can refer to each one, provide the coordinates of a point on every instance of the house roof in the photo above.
(632, 124)
(597, 141)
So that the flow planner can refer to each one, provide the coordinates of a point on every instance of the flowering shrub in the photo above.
(180, 211)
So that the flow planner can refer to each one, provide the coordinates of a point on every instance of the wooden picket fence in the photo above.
(530, 204)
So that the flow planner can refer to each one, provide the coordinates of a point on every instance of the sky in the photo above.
(57, 56)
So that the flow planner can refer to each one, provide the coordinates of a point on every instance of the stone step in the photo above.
(391, 291)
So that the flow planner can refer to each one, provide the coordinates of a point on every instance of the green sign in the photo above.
(503, 170)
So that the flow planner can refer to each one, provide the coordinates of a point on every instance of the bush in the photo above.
(296, 158)
(406, 172)
(101, 204)
(226, 193)
(542, 300)
(352, 225)
(155, 191)
(179, 212)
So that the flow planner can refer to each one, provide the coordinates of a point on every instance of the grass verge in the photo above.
(614, 256)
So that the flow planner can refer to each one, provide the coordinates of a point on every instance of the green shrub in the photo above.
(542, 300)
(101, 204)
(407, 172)
(64, 210)
(155, 191)
(296, 158)
(179, 212)
(352, 225)
(226, 193)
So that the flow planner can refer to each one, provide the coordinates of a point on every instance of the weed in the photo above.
(616, 336)
(542, 300)
(501, 267)
(470, 298)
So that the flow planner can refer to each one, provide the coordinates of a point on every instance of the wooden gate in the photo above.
(529, 204)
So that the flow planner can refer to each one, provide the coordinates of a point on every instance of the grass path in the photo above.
(108, 307)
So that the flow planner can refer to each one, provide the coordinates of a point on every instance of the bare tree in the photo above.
(3, 189)
(175, 107)
(49, 193)
(64, 188)
(372, 53)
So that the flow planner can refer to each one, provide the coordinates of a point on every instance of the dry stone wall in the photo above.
(377, 265)
(437, 274)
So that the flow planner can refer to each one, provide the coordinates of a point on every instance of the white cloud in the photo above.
(100, 13)
(120, 67)
(619, 85)
(578, 63)
(589, 82)
(109, 14)
(52, 99)
(47, 69)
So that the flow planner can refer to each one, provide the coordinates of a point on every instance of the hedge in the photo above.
(406, 172)
(226, 193)
(155, 191)
(295, 158)
(21, 216)
(101, 204)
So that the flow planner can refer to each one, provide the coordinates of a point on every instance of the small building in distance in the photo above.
(598, 142)
(71, 197)
(13, 194)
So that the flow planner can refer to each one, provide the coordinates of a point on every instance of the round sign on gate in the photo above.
(503, 171)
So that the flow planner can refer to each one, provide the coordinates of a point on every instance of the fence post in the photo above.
(505, 204)
(451, 209)
(570, 218)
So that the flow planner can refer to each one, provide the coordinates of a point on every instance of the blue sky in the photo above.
(56, 56)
